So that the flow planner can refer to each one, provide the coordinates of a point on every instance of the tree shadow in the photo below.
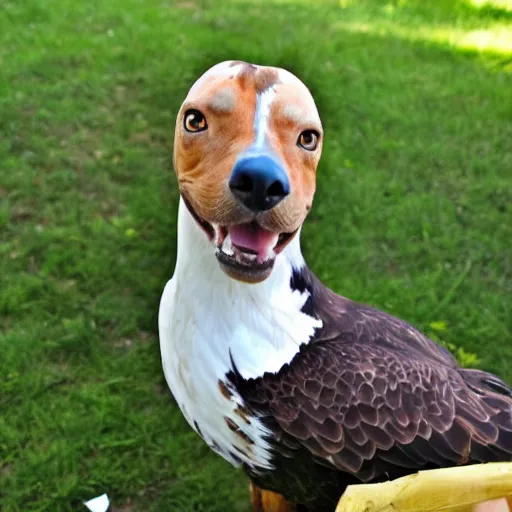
(467, 10)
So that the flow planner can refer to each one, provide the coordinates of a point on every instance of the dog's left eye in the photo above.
(308, 139)
(194, 121)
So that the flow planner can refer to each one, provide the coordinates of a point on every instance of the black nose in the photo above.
(259, 182)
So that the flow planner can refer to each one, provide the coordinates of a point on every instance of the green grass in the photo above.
(413, 212)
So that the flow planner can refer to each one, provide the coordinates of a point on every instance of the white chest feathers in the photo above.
(207, 323)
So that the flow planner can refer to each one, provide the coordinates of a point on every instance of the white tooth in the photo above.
(227, 246)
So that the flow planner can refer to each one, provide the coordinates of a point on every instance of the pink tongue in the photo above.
(253, 237)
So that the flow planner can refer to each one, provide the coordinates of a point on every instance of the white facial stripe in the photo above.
(307, 114)
(262, 115)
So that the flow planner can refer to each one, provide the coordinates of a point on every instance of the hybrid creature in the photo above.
(306, 390)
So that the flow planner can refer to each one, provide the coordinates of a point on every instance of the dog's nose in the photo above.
(259, 182)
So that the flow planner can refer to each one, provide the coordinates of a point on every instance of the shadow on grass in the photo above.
(469, 11)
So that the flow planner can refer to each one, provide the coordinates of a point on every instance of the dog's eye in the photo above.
(194, 121)
(308, 139)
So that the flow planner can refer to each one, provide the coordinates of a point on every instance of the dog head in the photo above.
(247, 144)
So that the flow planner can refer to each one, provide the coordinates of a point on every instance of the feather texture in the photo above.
(374, 398)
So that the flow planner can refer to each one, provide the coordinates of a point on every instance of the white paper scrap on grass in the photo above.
(99, 504)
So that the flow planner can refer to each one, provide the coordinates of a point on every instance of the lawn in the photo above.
(413, 212)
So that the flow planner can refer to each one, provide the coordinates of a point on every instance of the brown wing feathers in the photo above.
(377, 397)
(368, 399)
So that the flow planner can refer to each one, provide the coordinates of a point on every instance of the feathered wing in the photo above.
(369, 412)
(373, 397)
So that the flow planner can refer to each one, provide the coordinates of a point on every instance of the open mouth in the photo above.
(245, 251)
(248, 250)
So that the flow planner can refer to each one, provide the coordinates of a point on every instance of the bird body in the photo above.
(307, 390)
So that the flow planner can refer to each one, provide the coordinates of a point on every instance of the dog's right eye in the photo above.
(194, 121)
(308, 140)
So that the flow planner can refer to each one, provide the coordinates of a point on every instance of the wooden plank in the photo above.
(439, 490)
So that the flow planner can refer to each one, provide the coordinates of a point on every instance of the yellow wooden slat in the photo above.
(437, 490)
